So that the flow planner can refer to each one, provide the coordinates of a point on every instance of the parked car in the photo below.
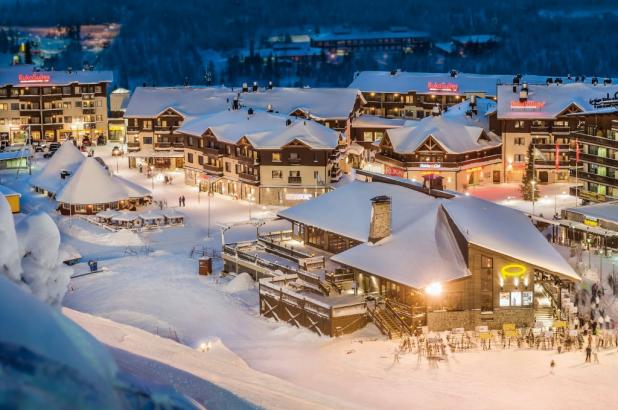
(39, 146)
(54, 146)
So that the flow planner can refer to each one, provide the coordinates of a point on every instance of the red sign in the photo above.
(392, 171)
(34, 78)
(557, 157)
(527, 105)
(450, 87)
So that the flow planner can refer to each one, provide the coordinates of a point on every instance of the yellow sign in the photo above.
(509, 330)
(514, 270)
(591, 222)
(560, 324)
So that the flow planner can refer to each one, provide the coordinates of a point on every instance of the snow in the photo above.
(514, 235)
(607, 211)
(458, 112)
(91, 184)
(556, 99)
(453, 136)
(403, 82)
(192, 102)
(373, 121)
(67, 158)
(240, 283)
(9, 76)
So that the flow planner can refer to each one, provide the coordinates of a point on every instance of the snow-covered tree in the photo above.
(30, 255)
(529, 190)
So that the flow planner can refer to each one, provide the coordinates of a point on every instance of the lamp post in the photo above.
(533, 183)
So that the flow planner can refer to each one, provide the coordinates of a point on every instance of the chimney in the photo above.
(595, 81)
(453, 73)
(250, 111)
(245, 88)
(523, 94)
(270, 85)
(255, 86)
(435, 111)
(235, 104)
(381, 218)
(269, 108)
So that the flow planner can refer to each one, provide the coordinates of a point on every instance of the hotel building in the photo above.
(52, 105)
(544, 116)
(261, 157)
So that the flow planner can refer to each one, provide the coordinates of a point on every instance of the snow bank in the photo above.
(240, 283)
(30, 255)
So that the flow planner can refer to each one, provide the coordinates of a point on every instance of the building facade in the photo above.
(53, 105)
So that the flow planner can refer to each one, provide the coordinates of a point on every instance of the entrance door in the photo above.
(543, 177)
(496, 177)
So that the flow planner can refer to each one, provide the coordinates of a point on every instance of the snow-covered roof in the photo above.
(91, 184)
(318, 103)
(476, 38)
(67, 158)
(549, 101)
(422, 248)
(151, 215)
(6, 191)
(368, 35)
(25, 76)
(108, 213)
(264, 130)
(373, 121)
(453, 136)
(459, 112)
(506, 231)
(403, 82)
(125, 216)
(9, 155)
(607, 211)
(132, 189)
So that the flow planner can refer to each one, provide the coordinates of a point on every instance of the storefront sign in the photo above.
(450, 87)
(527, 105)
(591, 221)
(430, 165)
(33, 78)
(298, 197)
(392, 171)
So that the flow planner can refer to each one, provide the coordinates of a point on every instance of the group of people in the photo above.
(181, 201)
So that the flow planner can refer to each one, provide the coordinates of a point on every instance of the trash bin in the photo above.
(93, 265)
(205, 265)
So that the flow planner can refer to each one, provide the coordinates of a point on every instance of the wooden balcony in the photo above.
(249, 177)
(213, 169)
(295, 180)
(212, 151)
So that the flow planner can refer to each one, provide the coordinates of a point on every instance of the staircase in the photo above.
(544, 315)
(387, 322)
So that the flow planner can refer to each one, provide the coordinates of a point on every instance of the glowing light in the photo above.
(527, 105)
(449, 87)
(33, 78)
(434, 289)
(514, 270)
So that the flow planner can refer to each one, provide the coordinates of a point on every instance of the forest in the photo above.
(162, 41)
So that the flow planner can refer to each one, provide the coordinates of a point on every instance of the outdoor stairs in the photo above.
(386, 322)
(544, 315)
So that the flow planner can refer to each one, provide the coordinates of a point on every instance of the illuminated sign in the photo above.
(33, 78)
(430, 165)
(298, 197)
(527, 105)
(591, 221)
(514, 270)
(450, 87)
(392, 171)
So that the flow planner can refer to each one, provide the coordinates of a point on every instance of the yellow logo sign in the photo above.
(513, 270)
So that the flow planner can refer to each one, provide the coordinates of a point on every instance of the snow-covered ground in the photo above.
(151, 283)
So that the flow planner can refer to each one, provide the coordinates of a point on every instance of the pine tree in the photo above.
(527, 187)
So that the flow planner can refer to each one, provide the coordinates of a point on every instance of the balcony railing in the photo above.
(597, 140)
(212, 151)
(247, 160)
(599, 160)
(392, 161)
(295, 180)
(595, 178)
(539, 129)
(248, 177)
(213, 169)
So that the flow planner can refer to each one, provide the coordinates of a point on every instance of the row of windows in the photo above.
(57, 119)
(47, 105)
(66, 90)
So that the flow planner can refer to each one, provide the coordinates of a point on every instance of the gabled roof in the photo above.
(453, 136)
(67, 158)
(91, 184)
(263, 130)
(149, 102)
(606, 210)
(555, 99)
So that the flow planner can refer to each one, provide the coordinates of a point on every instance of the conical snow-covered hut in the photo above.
(61, 166)
(91, 189)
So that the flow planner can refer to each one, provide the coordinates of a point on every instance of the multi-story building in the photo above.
(341, 42)
(52, 105)
(597, 136)
(449, 147)
(413, 95)
(155, 113)
(118, 100)
(260, 156)
(542, 115)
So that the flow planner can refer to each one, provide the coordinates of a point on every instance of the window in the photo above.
(316, 175)
(200, 160)
(293, 156)
(190, 141)
(190, 158)
(520, 141)
(295, 174)
(527, 298)
(515, 298)
(147, 140)
(200, 143)
(147, 124)
(14, 106)
(519, 124)
(505, 299)
(77, 91)
(66, 90)
(4, 107)
(276, 157)
(228, 167)
(519, 158)
(78, 104)
(67, 120)
(367, 136)
(277, 174)
(98, 89)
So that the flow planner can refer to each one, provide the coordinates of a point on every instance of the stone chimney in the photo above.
(381, 218)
